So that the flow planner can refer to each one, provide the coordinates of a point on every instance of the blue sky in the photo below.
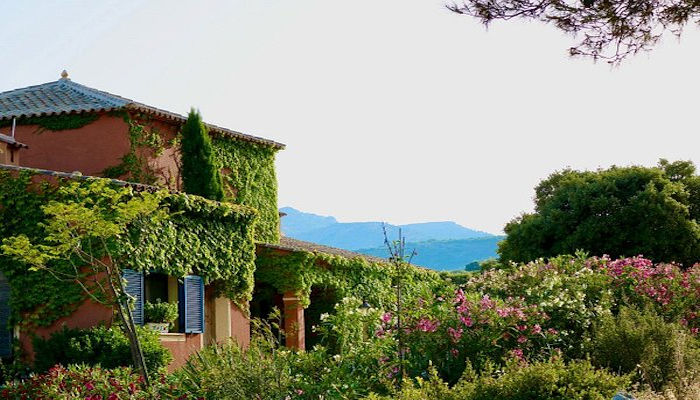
(391, 110)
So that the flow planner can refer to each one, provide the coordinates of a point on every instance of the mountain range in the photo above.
(442, 245)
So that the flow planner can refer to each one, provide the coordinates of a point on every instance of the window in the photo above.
(156, 288)
(190, 297)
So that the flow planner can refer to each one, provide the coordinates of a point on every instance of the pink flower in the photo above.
(518, 354)
(522, 328)
(455, 334)
(386, 318)
(466, 321)
(486, 302)
(454, 352)
(536, 329)
(522, 339)
(552, 331)
(459, 296)
(427, 325)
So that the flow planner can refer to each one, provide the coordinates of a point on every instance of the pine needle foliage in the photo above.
(200, 174)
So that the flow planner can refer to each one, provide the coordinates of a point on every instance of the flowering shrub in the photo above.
(446, 331)
(566, 289)
(531, 311)
(82, 382)
(674, 293)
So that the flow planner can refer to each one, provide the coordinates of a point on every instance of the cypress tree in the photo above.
(200, 174)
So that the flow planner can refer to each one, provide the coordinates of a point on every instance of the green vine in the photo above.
(144, 142)
(248, 172)
(58, 122)
(203, 237)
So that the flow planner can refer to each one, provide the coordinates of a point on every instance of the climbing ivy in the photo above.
(248, 172)
(44, 300)
(59, 122)
(202, 237)
(210, 239)
(144, 142)
(299, 271)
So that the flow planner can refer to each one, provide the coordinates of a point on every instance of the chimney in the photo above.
(281, 214)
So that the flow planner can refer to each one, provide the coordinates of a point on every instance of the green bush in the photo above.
(226, 371)
(546, 380)
(642, 342)
(159, 312)
(107, 347)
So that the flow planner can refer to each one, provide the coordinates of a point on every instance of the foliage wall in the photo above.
(210, 239)
(349, 277)
(248, 172)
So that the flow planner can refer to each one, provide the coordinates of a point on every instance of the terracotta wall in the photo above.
(89, 149)
(96, 146)
(240, 326)
(182, 345)
(87, 315)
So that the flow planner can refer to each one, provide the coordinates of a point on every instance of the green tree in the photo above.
(87, 236)
(200, 174)
(610, 29)
(618, 211)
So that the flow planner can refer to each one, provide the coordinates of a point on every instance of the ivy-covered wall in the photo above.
(152, 157)
(210, 239)
(248, 172)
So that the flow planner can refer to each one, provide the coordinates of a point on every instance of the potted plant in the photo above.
(160, 315)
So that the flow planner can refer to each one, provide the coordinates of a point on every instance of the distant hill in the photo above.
(362, 235)
(440, 245)
(447, 255)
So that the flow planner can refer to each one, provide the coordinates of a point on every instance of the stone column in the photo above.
(294, 321)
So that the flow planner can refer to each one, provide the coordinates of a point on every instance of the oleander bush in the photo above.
(106, 347)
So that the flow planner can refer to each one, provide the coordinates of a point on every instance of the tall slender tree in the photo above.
(200, 174)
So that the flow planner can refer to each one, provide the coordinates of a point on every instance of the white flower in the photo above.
(324, 316)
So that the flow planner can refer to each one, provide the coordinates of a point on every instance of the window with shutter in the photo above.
(134, 288)
(192, 304)
(5, 328)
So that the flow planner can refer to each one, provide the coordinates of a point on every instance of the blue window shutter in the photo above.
(192, 304)
(5, 328)
(134, 288)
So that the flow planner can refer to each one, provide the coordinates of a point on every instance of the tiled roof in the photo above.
(65, 96)
(289, 244)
